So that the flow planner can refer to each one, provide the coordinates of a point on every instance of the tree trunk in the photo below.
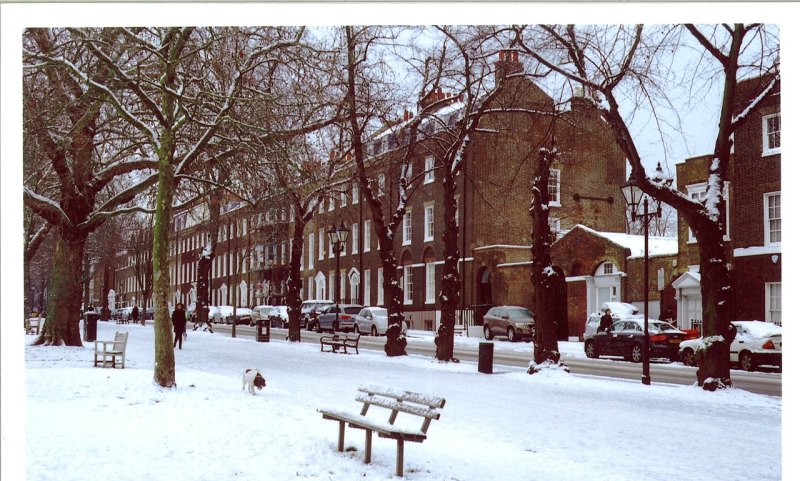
(62, 326)
(450, 296)
(164, 374)
(714, 367)
(205, 262)
(543, 277)
(294, 283)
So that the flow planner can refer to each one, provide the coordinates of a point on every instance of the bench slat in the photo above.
(415, 397)
(415, 409)
(382, 428)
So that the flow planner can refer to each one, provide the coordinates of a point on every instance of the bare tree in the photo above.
(610, 62)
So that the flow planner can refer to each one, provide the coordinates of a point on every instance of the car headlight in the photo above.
(521, 325)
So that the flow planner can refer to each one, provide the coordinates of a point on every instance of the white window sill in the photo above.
(406, 243)
(428, 239)
(768, 153)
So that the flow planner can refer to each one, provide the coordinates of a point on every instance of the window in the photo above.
(407, 228)
(697, 192)
(772, 218)
(773, 302)
(311, 250)
(429, 173)
(408, 285)
(331, 203)
(310, 288)
(381, 184)
(342, 285)
(355, 194)
(409, 170)
(608, 268)
(430, 283)
(343, 198)
(379, 286)
(428, 222)
(367, 235)
(321, 206)
(554, 187)
(771, 134)
(366, 300)
(354, 236)
(321, 250)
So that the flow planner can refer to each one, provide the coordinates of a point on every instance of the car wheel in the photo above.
(373, 331)
(512, 336)
(317, 327)
(487, 333)
(636, 353)
(687, 356)
(746, 361)
(590, 349)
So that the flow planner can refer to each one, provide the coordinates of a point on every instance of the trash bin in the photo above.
(262, 331)
(90, 326)
(485, 357)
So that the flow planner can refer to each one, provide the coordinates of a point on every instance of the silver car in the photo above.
(514, 322)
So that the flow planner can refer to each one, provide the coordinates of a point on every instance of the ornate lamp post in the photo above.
(633, 196)
(337, 238)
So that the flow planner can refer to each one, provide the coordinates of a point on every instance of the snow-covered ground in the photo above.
(86, 423)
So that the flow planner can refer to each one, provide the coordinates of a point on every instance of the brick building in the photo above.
(753, 217)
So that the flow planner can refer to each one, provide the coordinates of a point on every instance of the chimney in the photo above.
(507, 64)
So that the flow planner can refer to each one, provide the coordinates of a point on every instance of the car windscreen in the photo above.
(519, 314)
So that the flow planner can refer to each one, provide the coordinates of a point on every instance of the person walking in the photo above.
(179, 325)
(135, 315)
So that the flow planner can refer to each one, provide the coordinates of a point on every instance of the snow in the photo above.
(658, 246)
(100, 423)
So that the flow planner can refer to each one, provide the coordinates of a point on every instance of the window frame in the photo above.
(430, 283)
(429, 218)
(408, 285)
(769, 309)
(765, 135)
(700, 190)
(557, 201)
(430, 176)
(407, 227)
(767, 219)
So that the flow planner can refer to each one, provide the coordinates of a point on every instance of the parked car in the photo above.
(371, 320)
(327, 320)
(222, 314)
(149, 314)
(515, 322)
(309, 311)
(279, 316)
(757, 343)
(259, 313)
(626, 338)
(619, 311)
(123, 314)
(244, 315)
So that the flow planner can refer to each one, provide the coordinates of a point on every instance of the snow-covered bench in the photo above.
(33, 325)
(338, 341)
(395, 401)
(116, 350)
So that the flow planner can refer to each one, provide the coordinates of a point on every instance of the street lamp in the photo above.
(337, 238)
(633, 196)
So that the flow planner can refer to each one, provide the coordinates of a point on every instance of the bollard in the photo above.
(485, 357)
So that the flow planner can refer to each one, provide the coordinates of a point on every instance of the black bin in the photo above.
(485, 357)
(90, 326)
(262, 331)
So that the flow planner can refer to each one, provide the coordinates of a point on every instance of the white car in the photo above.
(374, 321)
(757, 343)
(279, 316)
(619, 310)
(259, 313)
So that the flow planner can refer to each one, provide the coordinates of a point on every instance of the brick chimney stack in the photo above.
(508, 64)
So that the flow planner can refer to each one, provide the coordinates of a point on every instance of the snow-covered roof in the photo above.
(659, 246)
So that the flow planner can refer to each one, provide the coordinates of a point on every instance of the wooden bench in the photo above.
(116, 350)
(339, 341)
(33, 325)
(414, 404)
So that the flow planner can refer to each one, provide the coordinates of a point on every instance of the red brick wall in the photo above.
(750, 275)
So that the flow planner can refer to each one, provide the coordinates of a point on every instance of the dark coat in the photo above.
(179, 321)
(135, 314)
(605, 322)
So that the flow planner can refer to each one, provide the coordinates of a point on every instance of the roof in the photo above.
(658, 246)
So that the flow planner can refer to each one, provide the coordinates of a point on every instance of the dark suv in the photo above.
(309, 311)
(327, 319)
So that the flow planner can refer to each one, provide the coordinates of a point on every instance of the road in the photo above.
(769, 383)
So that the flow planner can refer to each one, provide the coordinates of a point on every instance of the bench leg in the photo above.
(340, 447)
(368, 448)
(399, 469)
